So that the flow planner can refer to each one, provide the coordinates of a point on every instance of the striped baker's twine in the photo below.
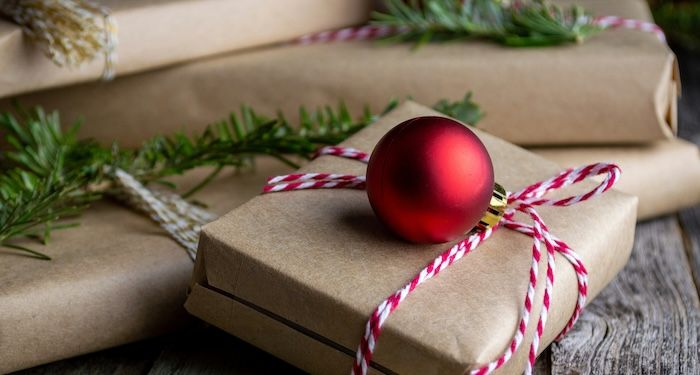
(366, 32)
(523, 201)
(614, 22)
(182, 220)
(371, 32)
(345, 152)
(302, 181)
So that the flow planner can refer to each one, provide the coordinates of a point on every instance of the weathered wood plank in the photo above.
(690, 222)
(647, 321)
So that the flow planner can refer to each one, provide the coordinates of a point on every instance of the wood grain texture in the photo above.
(647, 321)
(690, 222)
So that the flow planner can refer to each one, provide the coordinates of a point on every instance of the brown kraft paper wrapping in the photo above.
(298, 273)
(155, 33)
(664, 175)
(618, 87)
(115, 279)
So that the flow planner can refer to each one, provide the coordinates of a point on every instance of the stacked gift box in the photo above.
(341, 271)
(117, 278)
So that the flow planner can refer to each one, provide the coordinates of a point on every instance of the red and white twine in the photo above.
(614, 22)
(371, 32)
(523, 201)
(365, 32)
(301, 181)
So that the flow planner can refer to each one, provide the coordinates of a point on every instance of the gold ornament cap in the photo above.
(497, 207)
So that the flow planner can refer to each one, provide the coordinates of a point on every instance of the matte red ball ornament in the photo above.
(430, 179)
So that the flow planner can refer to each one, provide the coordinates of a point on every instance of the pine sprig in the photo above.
(31, 205)
(232, 142)
(51, 175)
(38, 186)
(518, 23)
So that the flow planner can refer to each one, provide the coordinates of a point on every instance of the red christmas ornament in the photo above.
(430, 179)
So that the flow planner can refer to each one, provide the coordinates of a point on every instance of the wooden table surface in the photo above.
(647, 321)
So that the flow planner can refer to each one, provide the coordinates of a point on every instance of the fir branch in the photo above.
(51, 175)
(518, 23)
(233, 142)
(38, 184)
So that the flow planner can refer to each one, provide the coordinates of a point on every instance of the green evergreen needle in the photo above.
(525, 23)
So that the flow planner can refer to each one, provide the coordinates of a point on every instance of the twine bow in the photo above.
(524, 201)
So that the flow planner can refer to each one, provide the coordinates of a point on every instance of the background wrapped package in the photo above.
(325, 259)
(644, 163)
(618, 87)
(664, 175)
(155, 33)
(116, 278)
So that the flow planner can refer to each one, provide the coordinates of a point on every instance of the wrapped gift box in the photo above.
(675, 159)
(298, 273)
(664, 175)
(115, 279)
(618, 87)
(155, 33)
